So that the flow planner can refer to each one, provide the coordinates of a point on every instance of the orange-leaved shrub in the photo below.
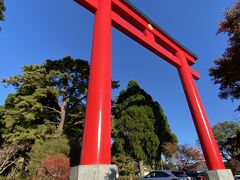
(56, 167)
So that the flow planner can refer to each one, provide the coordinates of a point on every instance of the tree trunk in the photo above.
(161, 164)
(141, 168)
(63, 110)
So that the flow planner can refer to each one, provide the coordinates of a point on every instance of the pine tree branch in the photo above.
(76, 115)
(70, 125)
(79, 100)
(83, 97)
(47, 107)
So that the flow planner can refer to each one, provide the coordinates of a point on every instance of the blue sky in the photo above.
(39, 30)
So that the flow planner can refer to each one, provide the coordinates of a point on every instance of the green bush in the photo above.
(42, 150)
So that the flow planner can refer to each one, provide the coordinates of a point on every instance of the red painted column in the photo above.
(204, 130)
(96, 147)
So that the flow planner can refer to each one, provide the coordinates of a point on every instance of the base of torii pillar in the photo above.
(94, 172)
(223, 174)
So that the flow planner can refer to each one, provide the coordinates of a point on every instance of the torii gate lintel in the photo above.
(126, 19)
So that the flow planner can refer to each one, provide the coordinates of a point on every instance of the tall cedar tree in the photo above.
(48, 97)
(227, 135)
(2, 9)
(226, 71)
(141, 128)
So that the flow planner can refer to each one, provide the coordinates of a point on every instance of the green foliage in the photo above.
(126, 165)
(70, 79)
(2, 9)
(44, 149)
(140, 126)
(46, 96)
(225, 130)
(226, 71)
(227, 135)
(1, 125)
(50, 100)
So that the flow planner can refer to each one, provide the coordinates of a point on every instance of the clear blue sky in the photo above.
(51, 29)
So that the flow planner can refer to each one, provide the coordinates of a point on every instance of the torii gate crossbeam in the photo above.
(123, 16)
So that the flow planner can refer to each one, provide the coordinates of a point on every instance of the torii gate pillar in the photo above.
(96, 149)
(204, 131)
(97, 130)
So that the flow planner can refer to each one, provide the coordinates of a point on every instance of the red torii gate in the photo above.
(122, 15)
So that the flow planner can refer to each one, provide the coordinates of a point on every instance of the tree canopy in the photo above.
(226, 70)
(49, 101)
(141, 128)
(2, 9)
(48, 97)
(183, 157)
(227, 135)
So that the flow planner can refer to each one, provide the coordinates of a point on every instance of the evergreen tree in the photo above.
(140, 126)
(226, 71)
(2, 9)
(48, 97)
